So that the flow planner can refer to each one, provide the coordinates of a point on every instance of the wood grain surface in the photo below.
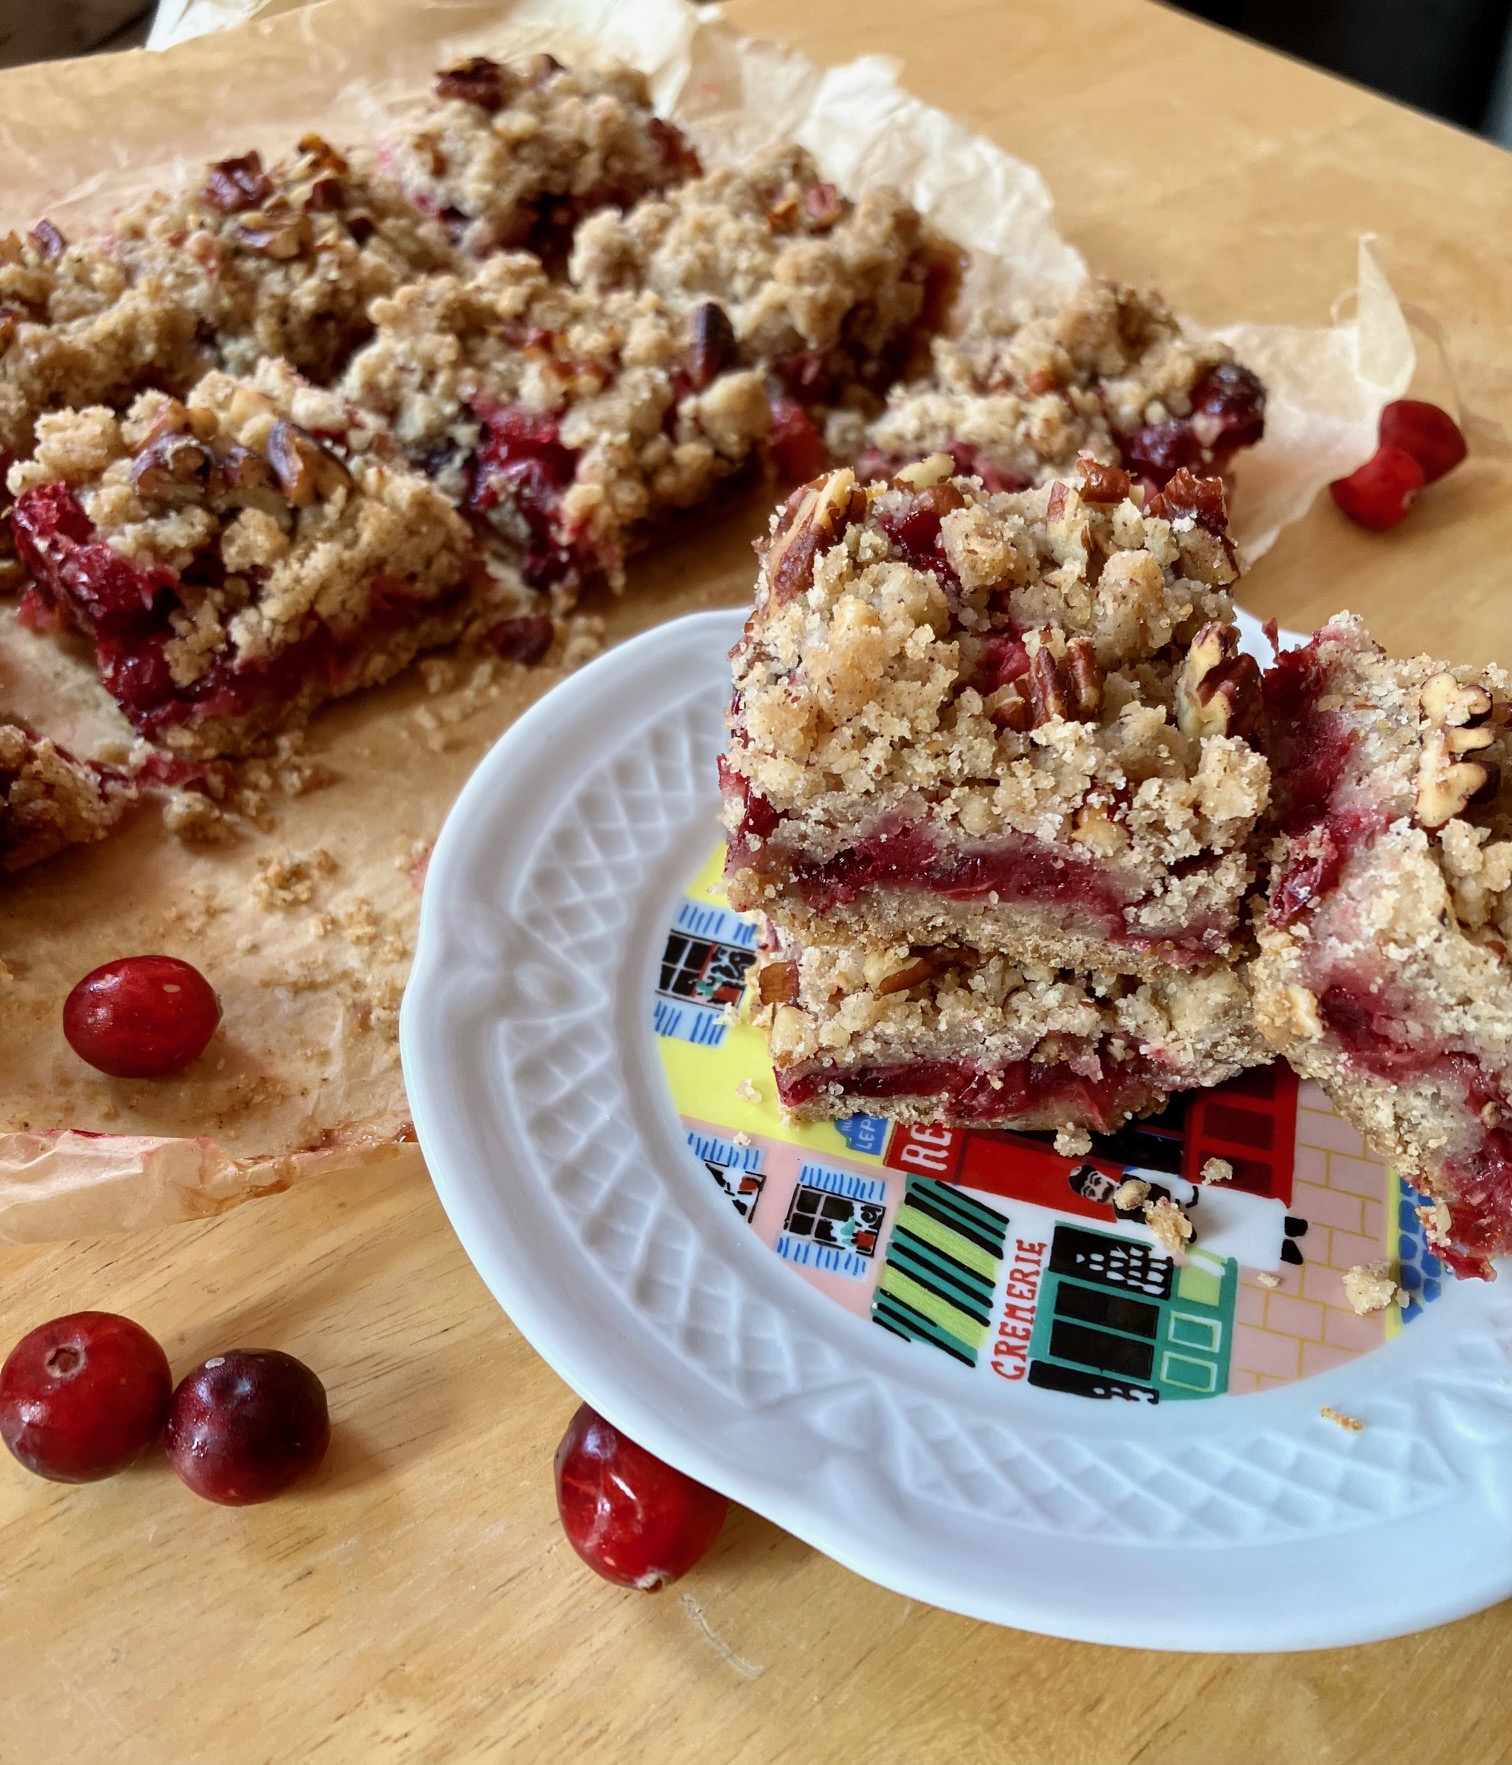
(417, 1602)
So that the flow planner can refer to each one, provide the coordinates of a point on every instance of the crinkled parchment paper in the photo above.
(305, 922)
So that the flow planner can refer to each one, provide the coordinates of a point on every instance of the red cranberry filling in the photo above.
(913, 527)
(520, 474)
(1016, 868)
(1228, 413)
(797, 447)
(970, 1091)
(1317, 859)
(126, 611)
(1369, 1030)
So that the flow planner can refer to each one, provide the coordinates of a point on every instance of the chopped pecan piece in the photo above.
(1039, 381)
(1200, 499)
(476, 81)
(1101, 483)
(911, 974)
(243, 477)
(173, 469)
(926, 473)
(236, 184)
(1443, 700)
(541, 68)
(1218, 690)
(48, 240)
(1060, 681)
(322, 156)
(782, 216)
(714, 346)
(276, 233)
(814, 517)
(8, 322)
(777, 984)
(1446, 785)
(306, 471)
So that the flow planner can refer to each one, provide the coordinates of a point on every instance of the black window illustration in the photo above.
(1111, 1262)
(1049, 1377)
(1101, 1350)
(836, 1220)
(1110, 1311)
(703, 969)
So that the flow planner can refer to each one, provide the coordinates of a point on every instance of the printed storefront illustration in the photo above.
(994, 1250)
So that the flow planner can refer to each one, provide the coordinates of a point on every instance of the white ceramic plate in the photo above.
(544, 1110)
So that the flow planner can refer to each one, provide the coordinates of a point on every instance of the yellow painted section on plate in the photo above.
(1199, 1286)
(705, 1081)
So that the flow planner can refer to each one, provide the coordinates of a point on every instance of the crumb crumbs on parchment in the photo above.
(287, 879)
(1351, 1424)
(1266, 1279)
(1370, 1287)
(1173, 1230)
(1216, 1170)
(1131, 1193)
(742, 1138)
(748, 1091)
(1072, 1142)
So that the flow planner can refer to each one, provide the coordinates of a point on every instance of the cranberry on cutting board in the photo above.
(246, 1425)
(83, 1396)
(629, 1515)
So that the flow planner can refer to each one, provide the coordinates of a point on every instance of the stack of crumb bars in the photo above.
(1037, 845)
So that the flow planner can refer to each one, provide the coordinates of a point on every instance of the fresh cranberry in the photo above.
(522, 470)
(143, 1017)
(912, 522)
(630, 1516)
(1378, 494)
(525, 640)
(797, 447)
(1430, 435)
(83, 1396)
(247, 1425)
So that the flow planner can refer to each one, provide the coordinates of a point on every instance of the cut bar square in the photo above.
(1015, 721)
(976, 1040)
(1383, 971)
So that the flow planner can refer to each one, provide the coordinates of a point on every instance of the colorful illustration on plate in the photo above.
(994, 1250)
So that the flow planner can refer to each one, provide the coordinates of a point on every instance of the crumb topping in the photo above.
(49, 799)
(799, 272)
(1019, 395)
(508, 154)
(1007, 661)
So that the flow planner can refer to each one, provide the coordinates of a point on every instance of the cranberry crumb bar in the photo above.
(1383, 970)
(1110, 373)
(565, 421)
(76, 330)
(240, 557)
(827, 297)
(49, 799)
(515, 155)
(1017, 721)
(956, 1036)
(281, 261)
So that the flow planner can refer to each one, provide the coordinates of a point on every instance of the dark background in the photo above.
(1442, 56)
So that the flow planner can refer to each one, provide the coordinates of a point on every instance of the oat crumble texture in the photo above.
(233, 569)
(1013, 720)
(1382, 970)
(1018, 396)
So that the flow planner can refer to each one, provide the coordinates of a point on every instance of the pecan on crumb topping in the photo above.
(1460, 723)
(475, 81)
(814, 517)
(1218, 690)
(232, 185)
